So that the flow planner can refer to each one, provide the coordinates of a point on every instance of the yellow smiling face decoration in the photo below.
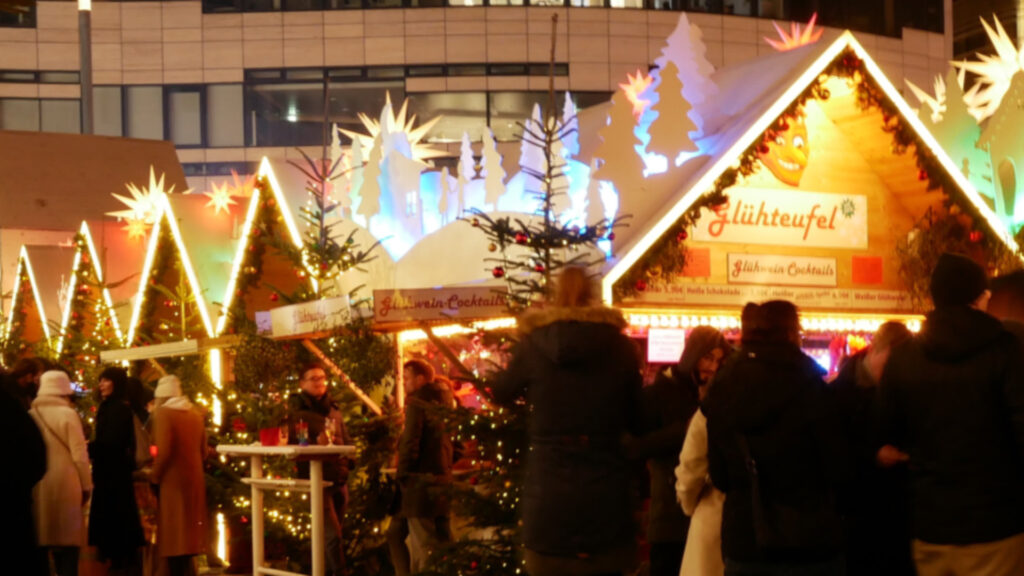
(785, 151)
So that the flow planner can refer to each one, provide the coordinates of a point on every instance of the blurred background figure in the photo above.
(775, 450)
(19, 550)
(114, 526)
(180, 440)
(62, 493)
(668, 405)
(877, 519)
(23, 380)
(581, 378)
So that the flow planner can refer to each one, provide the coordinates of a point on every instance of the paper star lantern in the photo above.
(220, 198)
(634, 87)
(391, 123)
(796, 37)
(136, 228)
(994, 72)
(142, 204)
(242, 187)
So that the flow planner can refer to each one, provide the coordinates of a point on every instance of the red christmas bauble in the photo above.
(611, 236)
(922, 175)
(539, 268)
(274, 297)
(763, 149)
(475, 222)
(682, 236)
(498, 272)
(784, 126)
(521, 238)
(641, 285)
(975, 236)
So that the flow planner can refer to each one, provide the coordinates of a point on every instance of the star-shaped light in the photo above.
(796, 37)
(136, 228)
(242, 187)
(220, 198)
(142, 204)
(994, 72)
(391, 123)
(634, 87)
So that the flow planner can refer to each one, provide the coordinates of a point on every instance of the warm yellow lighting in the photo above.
(236, 267)
(730, 320)
(217, 377)
(453, 329)
(23, 261)
(706, 181)
(85, 5)
(94, 256)
(266, 171)
(147, 268)
(222, 538)
(220, 198)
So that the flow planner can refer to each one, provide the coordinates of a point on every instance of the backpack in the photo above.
(143, 457)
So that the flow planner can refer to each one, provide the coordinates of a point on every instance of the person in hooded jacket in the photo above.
(877, 521)
(62, 493)
(668, 405)
(580, 376)
(775, 451)
(114, 525)
(952, 399)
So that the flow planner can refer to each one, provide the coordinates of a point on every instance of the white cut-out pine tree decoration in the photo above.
(467, 171)
(571, 142)
(531, 158)
(493, 173)
(442, 202)
(621, 163)
(370, 193)
(673, 123)
(1001, 138)
(685, 48)
(595, 205)
(356, 178)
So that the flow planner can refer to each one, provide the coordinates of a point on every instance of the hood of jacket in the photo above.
(954, 333)
(762, 381)
(569, 336)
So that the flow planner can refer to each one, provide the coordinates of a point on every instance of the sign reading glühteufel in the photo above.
(463, 303)
(787, 218)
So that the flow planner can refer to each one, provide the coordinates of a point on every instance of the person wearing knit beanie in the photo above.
(957, 281)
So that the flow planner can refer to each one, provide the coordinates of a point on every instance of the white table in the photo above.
(315, 486)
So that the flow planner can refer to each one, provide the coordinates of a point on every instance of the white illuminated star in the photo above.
(391, 123)
(994, 72)
(220, 198)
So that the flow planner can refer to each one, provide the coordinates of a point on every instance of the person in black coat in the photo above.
(668, 405)
(953, 400)
(114, 525)
(775, 450)
(19, 552)
(580, 375)
(877, 519)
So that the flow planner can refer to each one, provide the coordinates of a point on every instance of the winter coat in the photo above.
(580, 376)
(180, 440)
(702, 502)
(425, 454)
(953, 399)
(26, 451)
(114, 525)
(58, 496)
(668, 405)
(772, 396)
(315, 412)
(877, 526)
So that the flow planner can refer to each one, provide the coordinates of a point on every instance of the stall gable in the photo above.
(50, 273)
(819, 218)
(91, 296)
(26, 322)
(170, 303)
(261, 269)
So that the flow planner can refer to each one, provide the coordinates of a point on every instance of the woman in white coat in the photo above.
(59, 497)
(702, 502)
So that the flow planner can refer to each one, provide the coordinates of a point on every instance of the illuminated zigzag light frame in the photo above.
(23, 260)
(166, 214)
(265, 171)
(758, 127)
(84, 231)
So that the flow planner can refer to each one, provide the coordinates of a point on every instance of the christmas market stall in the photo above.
(38, 296)
(815, 183)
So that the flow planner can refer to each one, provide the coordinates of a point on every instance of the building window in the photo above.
(225, 121)
(461, 112)
(184, 108)
(508, 110)
(18, 15)
(144, 112)
(19, 114)
(106, 110)
(61, 116)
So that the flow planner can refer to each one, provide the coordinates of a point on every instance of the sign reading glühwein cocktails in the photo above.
(787, 218)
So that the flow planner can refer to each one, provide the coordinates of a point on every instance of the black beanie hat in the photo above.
(957, 281)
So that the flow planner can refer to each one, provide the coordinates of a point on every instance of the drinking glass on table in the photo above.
(329, 430)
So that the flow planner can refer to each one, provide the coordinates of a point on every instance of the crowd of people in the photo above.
(67, 492)
(910, 460)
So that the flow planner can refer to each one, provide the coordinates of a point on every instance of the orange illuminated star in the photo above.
(220, 198)
(634, 87)
(796, 37)
(136, 228)
(242, 187)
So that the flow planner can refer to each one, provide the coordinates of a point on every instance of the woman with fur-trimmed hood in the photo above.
(581, 377)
